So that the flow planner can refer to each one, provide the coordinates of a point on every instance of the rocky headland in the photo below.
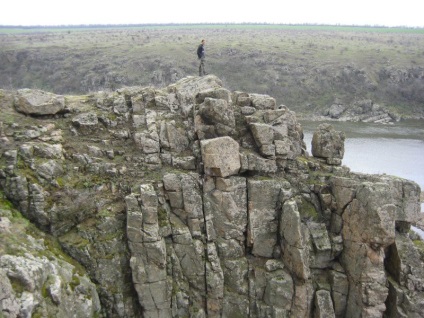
(194, 201)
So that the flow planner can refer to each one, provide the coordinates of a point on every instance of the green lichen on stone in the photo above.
(74, 282)
(105, 213)
(307, 210)
(73, 239)
(262, 178)
(25, 171)
(162, 217)
(37, 314)
(45, 288)
(5, 204)
(17, 285)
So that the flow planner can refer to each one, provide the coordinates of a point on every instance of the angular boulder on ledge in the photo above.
(38, 103)
(220, 156)
(327, 143)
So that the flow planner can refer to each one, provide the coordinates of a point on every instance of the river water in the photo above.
(396, 149)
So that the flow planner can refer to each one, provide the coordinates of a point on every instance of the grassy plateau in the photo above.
(306, 67)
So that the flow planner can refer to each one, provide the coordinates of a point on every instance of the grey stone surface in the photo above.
(220, 156)
(38, 103)
(328, 143)
(194, 201)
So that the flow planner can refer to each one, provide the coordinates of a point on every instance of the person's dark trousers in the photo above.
(202, 67)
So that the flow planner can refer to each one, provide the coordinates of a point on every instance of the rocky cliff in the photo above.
(194, 201)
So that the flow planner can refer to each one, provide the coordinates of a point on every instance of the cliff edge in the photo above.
(194, 201)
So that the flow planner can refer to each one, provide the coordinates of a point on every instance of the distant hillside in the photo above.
(310, 68)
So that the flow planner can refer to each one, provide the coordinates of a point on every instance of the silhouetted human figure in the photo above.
(201, 56)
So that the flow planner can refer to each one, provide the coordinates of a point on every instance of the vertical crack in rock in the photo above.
(194, 201)
(148, 253)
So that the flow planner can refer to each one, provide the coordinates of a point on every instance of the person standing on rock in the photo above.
(201, 56)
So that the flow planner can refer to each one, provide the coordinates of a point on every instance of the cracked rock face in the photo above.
(35, 277)
(195, 201)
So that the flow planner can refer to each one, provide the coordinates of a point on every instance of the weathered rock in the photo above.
(336, 110)
(148, 260)
(406, 282)
(120, 105)
(322, 255)
(279, 291)
(214, 282)
(243, 225)
(294, 241)
(257, 164)
(328, 144)
(216, 93)
(362, 110)
(219, 113)
(340, 290)
(226, 207)
(50, 169)
(185, 163)
(262, 102)
(35, 278)
(48, 151)
(38, 103)
(264, 138)
(86, 122)
(368, 228)
(263, 202)
(323, 305)
(220, 156)
(187, 88)
(172, 137)
(277, 133)
(149, 143)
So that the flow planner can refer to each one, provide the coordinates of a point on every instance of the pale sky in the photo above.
(358, 12)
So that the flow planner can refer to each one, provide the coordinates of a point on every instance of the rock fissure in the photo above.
(226, 214)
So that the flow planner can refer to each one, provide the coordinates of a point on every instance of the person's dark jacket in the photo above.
(200, 51)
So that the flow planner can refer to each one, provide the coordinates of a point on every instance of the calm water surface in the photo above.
(396, 149)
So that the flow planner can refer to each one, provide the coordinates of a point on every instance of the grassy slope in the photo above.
(304, 67)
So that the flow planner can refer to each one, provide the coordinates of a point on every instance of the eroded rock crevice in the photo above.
(194, 201)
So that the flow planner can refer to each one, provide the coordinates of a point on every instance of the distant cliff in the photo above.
(194, 201)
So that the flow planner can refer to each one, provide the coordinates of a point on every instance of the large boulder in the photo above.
(217, 112)
(38, 103)
(220, 156)
(187, 88)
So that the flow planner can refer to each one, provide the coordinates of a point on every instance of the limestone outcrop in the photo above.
(195, 201)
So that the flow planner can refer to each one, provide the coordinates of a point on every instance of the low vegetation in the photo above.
(305, 67)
